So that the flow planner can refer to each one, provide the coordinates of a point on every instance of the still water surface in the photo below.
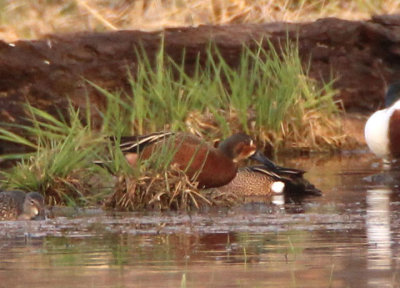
(349, 237)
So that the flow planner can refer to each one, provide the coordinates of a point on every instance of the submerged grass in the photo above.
(268, 95)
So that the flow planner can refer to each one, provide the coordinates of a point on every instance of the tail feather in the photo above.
(290, 171)
(301, 186)
(295, 184)
(272, 167)
(283, 170)
(134, 144)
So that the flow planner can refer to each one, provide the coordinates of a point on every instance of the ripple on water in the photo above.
(349, 237)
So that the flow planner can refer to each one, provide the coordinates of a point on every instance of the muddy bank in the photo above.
(46, 72)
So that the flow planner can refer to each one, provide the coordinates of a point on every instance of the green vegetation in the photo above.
(61, 164)
(268, 96)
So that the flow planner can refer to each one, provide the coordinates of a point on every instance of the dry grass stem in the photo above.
(170, 189)
(27, 19)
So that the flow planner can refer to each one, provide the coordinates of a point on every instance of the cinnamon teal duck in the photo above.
(382, 130)
(18, 205)
(268, 179)
(210, 166)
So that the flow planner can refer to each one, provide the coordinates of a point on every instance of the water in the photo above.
(349, 237)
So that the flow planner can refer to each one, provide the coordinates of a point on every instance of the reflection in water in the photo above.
(378, 233)
(278, 199)
(316, 243)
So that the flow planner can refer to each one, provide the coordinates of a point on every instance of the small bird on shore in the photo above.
(209, 166)
(269, 179)
(18, 205)
(382, 130)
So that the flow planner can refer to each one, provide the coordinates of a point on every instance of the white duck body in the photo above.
(377, 131)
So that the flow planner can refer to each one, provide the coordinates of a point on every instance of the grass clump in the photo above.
(155, 184)
(60, 167)
(268, 95)
(157, 190)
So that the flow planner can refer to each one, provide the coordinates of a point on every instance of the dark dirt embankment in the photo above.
(362, 55)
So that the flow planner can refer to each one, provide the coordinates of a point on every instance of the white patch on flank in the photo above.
(277, 187)
(376, 132)
(11, 44)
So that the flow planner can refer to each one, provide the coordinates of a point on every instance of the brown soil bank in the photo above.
(362, 55)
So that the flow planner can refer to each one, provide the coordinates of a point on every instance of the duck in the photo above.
(268, 179)
(209, 166)
(18, 205)
(382, 129)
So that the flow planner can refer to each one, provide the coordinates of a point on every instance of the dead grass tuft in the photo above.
(69, 190)
(317, 131)
(170, 189)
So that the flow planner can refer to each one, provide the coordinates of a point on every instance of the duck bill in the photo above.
(260, 157)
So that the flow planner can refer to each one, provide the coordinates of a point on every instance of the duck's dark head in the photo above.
(238, 147)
